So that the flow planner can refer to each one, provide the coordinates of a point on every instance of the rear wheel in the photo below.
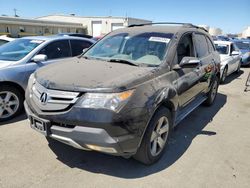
(212, 93)
(155, 138)
(11, 102)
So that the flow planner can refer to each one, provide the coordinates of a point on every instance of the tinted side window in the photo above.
(57, 49)
(210, 45)
(185, 47)
(78, 45)
(201, 45)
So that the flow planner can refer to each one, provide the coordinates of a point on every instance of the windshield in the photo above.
(222, 48)
(145, 48)
(18, 49)
(243, 45)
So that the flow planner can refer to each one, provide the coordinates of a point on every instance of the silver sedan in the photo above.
(21, 57)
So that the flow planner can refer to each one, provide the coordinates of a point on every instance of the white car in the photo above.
(4, 39)
(230, 58)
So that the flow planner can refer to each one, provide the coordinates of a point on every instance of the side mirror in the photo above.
(84, 50)
(235, 53)
(39, 58)
(176, 67)
(189, 62)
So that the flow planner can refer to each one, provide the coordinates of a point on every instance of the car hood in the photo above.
(79, 74)
(4, 64)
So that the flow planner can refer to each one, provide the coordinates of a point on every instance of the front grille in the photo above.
(55, 100)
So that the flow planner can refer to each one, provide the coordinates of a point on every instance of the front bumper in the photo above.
(89, 137)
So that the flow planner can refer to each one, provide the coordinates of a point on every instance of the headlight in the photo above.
(31, 82)
(111, 101)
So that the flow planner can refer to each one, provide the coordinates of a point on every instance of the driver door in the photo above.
(189, 76)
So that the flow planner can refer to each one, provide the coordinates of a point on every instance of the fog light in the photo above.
(102, 149)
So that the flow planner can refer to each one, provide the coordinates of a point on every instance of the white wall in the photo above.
(106, 22)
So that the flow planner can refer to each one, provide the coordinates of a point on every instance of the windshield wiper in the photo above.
(123, 61)
(91, 58)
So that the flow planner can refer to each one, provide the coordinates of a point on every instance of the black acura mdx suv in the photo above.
(125, 94)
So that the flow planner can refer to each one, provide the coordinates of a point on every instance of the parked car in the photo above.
(222, 38)
(76, 35)
(21, 57)
(4, 39)
(244, 46)
(230, 58)
(126, 93)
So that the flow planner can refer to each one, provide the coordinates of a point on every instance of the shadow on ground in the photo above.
(180, 140)
(16, 119)
(233, 76)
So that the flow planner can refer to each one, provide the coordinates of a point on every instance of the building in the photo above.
(215, 31)
(96, 26)
(19, 27)
(246, 33)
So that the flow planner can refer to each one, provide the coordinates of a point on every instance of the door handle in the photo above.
(198, 68)
(199, 65)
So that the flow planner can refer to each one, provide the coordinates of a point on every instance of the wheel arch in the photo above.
(13, 84)
(166, 103)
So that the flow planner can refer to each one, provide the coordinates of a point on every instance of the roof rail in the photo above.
(168, 23)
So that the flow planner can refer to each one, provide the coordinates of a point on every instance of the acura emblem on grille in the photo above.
(44, 98)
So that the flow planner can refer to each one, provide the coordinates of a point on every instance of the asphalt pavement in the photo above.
(210, 148)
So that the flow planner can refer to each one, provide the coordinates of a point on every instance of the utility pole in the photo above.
(15, 10)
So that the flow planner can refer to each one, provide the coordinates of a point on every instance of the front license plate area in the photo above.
(39, 125)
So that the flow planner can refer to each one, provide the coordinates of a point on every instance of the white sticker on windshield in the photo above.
(159, 39)
(37, 41)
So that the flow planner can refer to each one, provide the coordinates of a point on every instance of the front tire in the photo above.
(155, 138)
(11, 102)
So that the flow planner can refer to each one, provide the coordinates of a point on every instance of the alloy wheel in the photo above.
(159, 136)
(214, 90)
(9, 104)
